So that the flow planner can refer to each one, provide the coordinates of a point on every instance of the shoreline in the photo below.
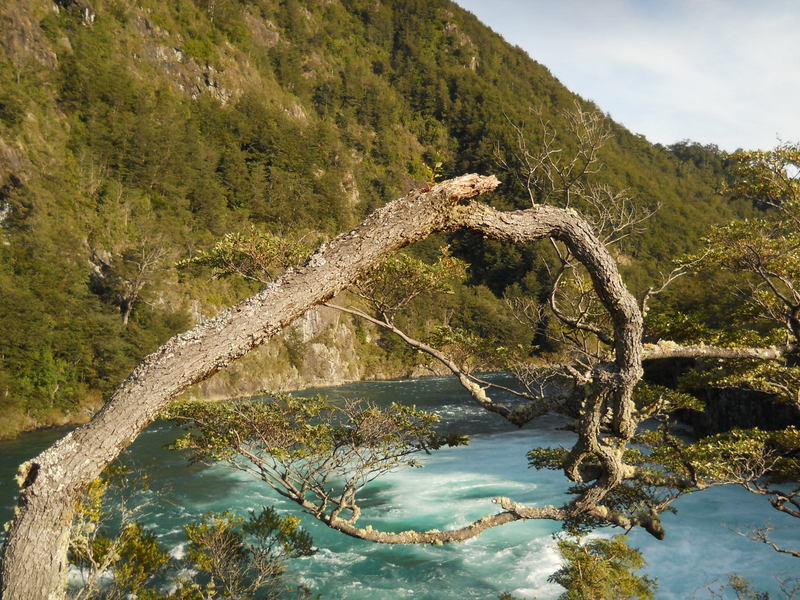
(82, 415)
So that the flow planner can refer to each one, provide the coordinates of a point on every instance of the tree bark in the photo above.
(671, 350)
(34, 555)
(565, 225)
(513, 512)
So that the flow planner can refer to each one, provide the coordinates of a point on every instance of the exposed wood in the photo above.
(671, 350)
(512, 512)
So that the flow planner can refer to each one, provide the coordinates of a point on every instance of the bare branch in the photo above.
(468, 381)
(762, 535)
(579, 322)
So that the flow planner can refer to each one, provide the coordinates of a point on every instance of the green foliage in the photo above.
(752, 267)
(650, 398)
(469, 350)
(649, 492)
(768, 177)
(401, 279)
(318, 454)
(746, 246)
(699, 326)
(775, 378)
(256, 255)
(733, 457)
(750, 458)
(228, 557)
(708, 158)
(763, 255)
(547, 458)
(293, 429)
(245, 558)
(182, 122)
(90, 507)
(602, 569)
(132, 556)
(140, 557)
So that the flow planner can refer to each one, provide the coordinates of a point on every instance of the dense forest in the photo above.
(455, 207)
(134, 135)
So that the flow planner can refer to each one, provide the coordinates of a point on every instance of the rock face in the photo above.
(734, 408)
(11, 167)
(726, 408)
(185, 72)
(319, 349)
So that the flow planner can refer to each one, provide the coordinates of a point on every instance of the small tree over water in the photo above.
(228, 557)
(314, 453)
(601, 569)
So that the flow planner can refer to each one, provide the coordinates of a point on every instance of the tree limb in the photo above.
(519, 415)
(762, 535)
(34, 554)
(663, 350)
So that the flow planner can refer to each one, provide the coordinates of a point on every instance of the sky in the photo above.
(724, 72)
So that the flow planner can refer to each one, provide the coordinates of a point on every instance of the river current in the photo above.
(454, 487)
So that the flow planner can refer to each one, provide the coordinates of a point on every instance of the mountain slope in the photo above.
(133, 134)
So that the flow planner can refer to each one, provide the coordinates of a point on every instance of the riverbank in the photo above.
(15, 424)
(323, 348)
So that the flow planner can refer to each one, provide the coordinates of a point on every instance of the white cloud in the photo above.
(724, 72)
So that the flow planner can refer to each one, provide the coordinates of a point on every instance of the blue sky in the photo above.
(714, 71)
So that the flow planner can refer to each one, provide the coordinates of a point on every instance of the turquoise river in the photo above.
(455, 486)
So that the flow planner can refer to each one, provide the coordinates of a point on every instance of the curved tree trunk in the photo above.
(34, 555)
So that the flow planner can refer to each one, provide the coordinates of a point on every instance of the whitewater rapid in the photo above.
(454, 487)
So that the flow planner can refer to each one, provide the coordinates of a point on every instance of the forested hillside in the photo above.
(134, 135)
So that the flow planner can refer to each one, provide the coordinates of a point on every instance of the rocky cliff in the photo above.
(322, 348)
